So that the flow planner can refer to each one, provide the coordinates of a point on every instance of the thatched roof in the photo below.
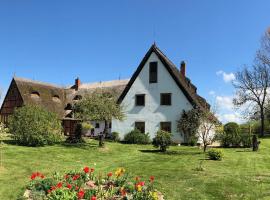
(58, 99)
(45, 95)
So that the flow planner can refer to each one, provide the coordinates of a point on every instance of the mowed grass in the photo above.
(242, 174)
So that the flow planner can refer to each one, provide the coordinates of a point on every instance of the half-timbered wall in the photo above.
(12, 100)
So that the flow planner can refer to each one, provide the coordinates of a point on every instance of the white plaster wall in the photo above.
(152, 113)
(97, 130)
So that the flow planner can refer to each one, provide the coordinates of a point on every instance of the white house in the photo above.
(155, 97)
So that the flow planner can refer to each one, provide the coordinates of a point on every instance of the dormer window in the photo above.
(56, 98)
(35, 95)
(153, 71)
(77, 97)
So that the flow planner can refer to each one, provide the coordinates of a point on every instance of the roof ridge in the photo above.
(166, 57)
(38, 82)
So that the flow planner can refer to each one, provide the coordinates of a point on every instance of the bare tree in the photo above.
(252, 83)
(207, 128)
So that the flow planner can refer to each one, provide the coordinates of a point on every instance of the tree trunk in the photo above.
(105, 131)
(103, 134)
(262, 122)
(204, 147)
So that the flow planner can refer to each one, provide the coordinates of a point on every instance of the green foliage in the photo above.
(115, 137)
(77, 137)
(86, 126)
(162, 140)
(215, 154)
(34, 126)
(136, 137)
(3, 130)
(99, 105)
(189, 124)
(230, 137)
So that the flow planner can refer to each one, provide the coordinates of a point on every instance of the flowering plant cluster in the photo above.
(86, 184)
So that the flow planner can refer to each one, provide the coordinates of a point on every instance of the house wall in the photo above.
(97, 131)
(12, 100)
(152, 113)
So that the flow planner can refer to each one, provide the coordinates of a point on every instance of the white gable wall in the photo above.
(152, 113)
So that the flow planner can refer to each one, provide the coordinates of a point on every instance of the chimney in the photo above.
(183, 68)
(77, 83)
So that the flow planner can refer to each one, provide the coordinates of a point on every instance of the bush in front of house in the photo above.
(115, 137)
(77, 136)
(136, 137)
(34, 126)
(215, 154)
(86, 127)
(162, 140)
(230, 137)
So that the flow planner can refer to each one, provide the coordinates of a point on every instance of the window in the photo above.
(140, 100)
(166, 126)
(35, 95)
(97, 125)
(56, 98)
(77, 97)
(153, 72)
(140, 126)
(165, 99)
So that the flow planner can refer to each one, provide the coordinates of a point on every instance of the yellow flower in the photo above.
(119, 172)
(154, 195)
(139, 188)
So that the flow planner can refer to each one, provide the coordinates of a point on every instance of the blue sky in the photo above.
(56, 41)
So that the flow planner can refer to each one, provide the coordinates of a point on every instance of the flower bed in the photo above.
(85, 184)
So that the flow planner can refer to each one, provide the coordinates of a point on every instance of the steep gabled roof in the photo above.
(189, 90)
(50, 97)
(55, 98)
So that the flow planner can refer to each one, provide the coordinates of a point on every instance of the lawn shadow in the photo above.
(79, 145)
(244, 150)
(10, 142)
(168, 152)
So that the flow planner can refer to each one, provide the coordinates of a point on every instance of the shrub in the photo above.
(231, 135)
(3, 130)
(115, 137)
(215, 154)
(86, 127)
(136, 137)
(162, 140)
(34, 126)
(77, 136)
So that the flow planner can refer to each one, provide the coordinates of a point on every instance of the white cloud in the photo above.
(224, 102)
(230, 117)
(227, 77)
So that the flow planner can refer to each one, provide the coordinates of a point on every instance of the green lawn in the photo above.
(241, 175)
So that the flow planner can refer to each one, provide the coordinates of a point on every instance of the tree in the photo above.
(101, 106)
(208, 124)
(3, 132)
(189, 124)
(251, 83)
(34, 126)
(162, 140)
